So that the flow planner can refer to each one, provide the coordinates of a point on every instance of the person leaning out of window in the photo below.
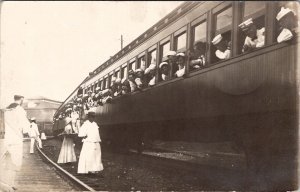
(288, 25)
(223, 47)
(172, 60)
(150, 73)
(255, 38)
(164, 70)
(197, 55)
(180, 63)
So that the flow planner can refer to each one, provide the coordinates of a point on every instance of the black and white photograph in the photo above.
(149, 96)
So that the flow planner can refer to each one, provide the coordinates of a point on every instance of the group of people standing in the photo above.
(90, 156)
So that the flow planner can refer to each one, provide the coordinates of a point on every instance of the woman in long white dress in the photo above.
(67, 152)
(90, 155)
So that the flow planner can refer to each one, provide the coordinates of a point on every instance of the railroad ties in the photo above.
(36, 175)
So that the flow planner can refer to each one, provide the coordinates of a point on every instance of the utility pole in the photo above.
(122, 42)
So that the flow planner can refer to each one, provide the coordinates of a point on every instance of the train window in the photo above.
(165, 48)
(104, 83)
(123, 72)
(100, 84)
(117, 74)
(222, 39)
(199, 46)
(152, 57)
(141, 63)
(110, 79)
(132, 66)
(288, 26)
(224, 21)
(180, 41)
(199, 32)
(252, 29)
(254, 9)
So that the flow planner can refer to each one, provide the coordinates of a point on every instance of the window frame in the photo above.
(161, 45)
(124, 66)
(130, 62)
(178, 34)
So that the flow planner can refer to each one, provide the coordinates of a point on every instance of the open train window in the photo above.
(124, 71)
(252, 36)
(164, 49)
(223, 26)
(117, 74)
(288, 25)
(180, 42)
(198, 50)
(141, 63)
(105, 83)
(94, 87)
(111, 75)
(132, 65)
(152, 57)
(100, 84)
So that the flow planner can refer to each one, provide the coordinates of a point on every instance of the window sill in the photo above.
(240, 57)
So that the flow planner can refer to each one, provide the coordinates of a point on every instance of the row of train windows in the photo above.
(223, 24)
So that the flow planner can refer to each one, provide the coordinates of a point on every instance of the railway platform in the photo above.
(37, 175)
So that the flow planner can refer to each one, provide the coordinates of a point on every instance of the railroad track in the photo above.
(64, 173)
(209, 176)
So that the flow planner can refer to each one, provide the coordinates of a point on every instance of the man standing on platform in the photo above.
(16, 123)
(34, 134)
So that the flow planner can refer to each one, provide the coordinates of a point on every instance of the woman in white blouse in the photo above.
(90, 155)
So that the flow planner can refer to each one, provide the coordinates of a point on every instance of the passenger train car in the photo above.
(250, 99)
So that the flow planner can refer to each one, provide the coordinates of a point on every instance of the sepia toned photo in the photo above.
(149, 96)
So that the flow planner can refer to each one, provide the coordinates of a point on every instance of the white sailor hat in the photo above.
(180, 54)
(246, 24)
(97, 88)
(139, 70)
(85, 95)
(79, 99)
(93, 94)
(89, 91)
(283, 12)
(162, 64)
(118, 80)
(68, 109)
(217, 39)
(32, 119)
(171, 53)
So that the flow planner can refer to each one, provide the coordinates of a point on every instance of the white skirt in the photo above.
(67, 152)
(90, 158)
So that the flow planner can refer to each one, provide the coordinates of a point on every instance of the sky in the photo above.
(48, 48)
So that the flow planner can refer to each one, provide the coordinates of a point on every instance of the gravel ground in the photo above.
(129, 172)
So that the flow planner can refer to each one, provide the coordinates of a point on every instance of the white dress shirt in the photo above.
(223, 55)
(259, 42)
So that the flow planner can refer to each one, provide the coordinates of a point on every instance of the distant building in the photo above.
(43, 110)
